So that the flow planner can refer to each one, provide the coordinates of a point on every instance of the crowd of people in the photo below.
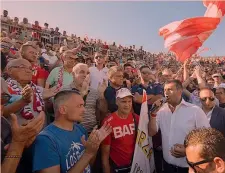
(72, 105)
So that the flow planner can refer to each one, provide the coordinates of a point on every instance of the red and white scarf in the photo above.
(60, 78)
(38, 103)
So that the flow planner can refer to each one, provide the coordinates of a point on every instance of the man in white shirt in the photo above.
(50, 56)
(99, 72)
(175, 119)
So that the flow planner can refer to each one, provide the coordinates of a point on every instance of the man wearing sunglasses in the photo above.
(205, 150)
(215, 114)
(99, 72)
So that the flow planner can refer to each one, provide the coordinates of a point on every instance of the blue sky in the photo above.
(127, 23)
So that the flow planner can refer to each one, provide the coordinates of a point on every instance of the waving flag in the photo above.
(186, 36)
(143, 160)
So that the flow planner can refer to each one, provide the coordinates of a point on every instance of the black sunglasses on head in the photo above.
(205, 98)
(195, 165)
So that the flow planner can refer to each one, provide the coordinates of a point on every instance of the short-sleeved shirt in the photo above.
(97, 76)
(122, 139)
(53, 77)
(152, 89)
(38, 73)
(56, 146)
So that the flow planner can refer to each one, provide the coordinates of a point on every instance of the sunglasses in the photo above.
(194, 166)
(205, 98)
(101, 57)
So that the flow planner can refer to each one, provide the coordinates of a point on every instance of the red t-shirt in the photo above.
(122, 139)
(38, 73)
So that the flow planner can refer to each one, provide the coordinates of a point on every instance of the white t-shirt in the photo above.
(97, 76)
(52, 59)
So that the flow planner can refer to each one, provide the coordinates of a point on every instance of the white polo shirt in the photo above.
(97, 76)
(175, 127)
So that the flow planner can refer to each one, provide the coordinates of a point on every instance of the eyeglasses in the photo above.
(101, 57)
(216, 76)
(219, 93)
(22, 67)
(194, 166)
(205, 98)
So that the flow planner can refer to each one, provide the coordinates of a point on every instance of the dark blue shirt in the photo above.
(152, 89)
(110, 96)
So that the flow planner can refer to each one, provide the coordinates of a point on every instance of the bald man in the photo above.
(215, 114)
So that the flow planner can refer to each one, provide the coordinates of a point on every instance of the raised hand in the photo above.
(96, 137)
(24, 135)
(27, 94)
(104, 131)
(85, 85)
(101, 88)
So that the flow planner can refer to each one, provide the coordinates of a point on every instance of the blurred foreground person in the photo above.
(205, 150)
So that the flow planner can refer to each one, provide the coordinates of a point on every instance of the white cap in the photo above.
(123, 92)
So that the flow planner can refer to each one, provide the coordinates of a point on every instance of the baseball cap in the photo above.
(216, 75)
(123, 92)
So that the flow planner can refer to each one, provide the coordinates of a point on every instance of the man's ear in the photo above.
(62, 109)
(220, 165)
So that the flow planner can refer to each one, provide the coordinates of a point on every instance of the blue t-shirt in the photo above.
(55, 146)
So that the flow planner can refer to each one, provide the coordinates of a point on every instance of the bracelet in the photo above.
(153, 115)
(13, 157)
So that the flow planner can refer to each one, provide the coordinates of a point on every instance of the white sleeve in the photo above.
(201, 119)
(158, 117)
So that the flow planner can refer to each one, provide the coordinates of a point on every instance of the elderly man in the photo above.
(205, 151)
(20, 76)
(81, 83)
(29, 51)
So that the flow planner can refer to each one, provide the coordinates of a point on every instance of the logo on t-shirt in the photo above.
(124, 130)
(75, 152)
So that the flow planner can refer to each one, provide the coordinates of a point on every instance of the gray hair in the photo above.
(61, 97)
(78, 66)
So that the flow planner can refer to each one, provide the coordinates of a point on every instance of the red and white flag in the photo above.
(143, 160)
